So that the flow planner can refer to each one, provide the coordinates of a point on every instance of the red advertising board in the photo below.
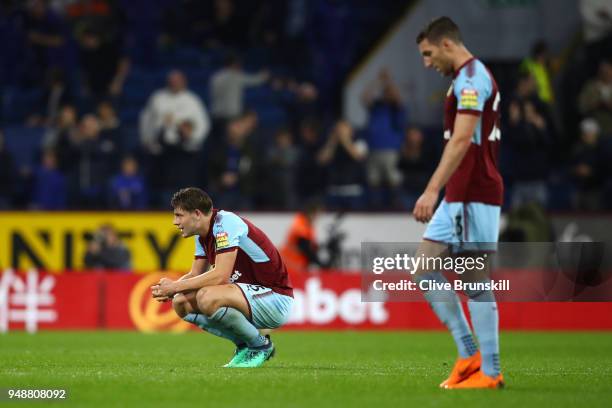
(96, 300)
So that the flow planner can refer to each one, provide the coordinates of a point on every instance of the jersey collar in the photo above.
(212, 221)
(461, 67)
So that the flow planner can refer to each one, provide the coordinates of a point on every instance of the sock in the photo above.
(447, 306)
(206, 324)
(485, 319)
(232, 320)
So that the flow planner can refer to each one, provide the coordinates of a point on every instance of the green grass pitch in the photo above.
(311, 369)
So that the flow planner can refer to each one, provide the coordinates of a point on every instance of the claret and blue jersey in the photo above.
(258, 261)
(474, 92)
(471, 207)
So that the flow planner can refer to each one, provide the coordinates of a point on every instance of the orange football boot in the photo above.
(464, 367)
(479, 380)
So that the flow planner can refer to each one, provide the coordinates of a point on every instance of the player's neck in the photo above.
(205, 225)
(463, 56)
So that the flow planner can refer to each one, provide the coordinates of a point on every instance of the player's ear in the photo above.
(446, 44)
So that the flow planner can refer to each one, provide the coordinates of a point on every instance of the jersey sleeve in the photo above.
(228, 232)
(472, 92)
(199, 249)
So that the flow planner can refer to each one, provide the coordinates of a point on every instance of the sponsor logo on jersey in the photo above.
(235, 276)
(221, 240)
(468, 99)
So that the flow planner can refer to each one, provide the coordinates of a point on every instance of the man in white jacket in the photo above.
(167, 109)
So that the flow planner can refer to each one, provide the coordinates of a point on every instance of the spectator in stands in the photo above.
(185, 24)
(384, 134)
(227, 28)
(128, 189)
(529, 140)
(45, 41)
(110, 126)
(310, 171)
(92, 165)
(56, 94)
(595, 98)
(538, 65)
(597, 30)
(104, 66)
(106, 251)
(416, 164)
(177, 162)
(586, 167)
(227, 90)
(49, 184)
(300, 100)
(7, 175)
(281, 160)
(169, 107)
(267, 25)
(233, 164)
(345, 157)
(62, 130)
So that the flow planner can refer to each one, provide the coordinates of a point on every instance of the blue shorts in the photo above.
(269, 309)
(465, 226)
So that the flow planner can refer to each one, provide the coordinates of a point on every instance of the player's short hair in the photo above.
(439, 28)
(191, 199)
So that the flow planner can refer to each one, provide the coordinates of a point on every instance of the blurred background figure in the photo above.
(234, 164)
(92, 165)
(528, 139)
(587, 165)
(280, 168)
(45, 35)
(49, 184)
(345, 155)
(416, 164)
(105, 250)
(385, 128)
(173, 128)
(538, 65)
(595, 99)
(310, 169)
(227, 90)
(166, 109)
(302, 250)
(128, 190)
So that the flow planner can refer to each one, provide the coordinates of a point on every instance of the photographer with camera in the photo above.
(105, 250)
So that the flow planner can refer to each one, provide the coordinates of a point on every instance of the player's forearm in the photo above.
(211, 278)
(453, 154)
(188, 275)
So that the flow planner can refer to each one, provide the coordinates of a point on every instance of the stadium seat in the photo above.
(24, 143)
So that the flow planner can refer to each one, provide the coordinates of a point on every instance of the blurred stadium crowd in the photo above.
(116, 104)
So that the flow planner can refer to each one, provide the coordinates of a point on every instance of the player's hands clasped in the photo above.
(164, 290)
(425, 205)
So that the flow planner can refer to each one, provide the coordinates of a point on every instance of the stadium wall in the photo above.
(35, 301)
(56, 242)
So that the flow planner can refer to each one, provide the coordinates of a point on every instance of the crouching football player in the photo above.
(237, 284)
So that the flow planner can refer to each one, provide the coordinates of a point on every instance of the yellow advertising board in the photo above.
(57, 241)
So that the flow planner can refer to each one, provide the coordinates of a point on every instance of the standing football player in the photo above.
(237, 283)
(470, 210)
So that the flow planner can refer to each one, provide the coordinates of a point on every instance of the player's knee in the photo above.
(206, 302)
